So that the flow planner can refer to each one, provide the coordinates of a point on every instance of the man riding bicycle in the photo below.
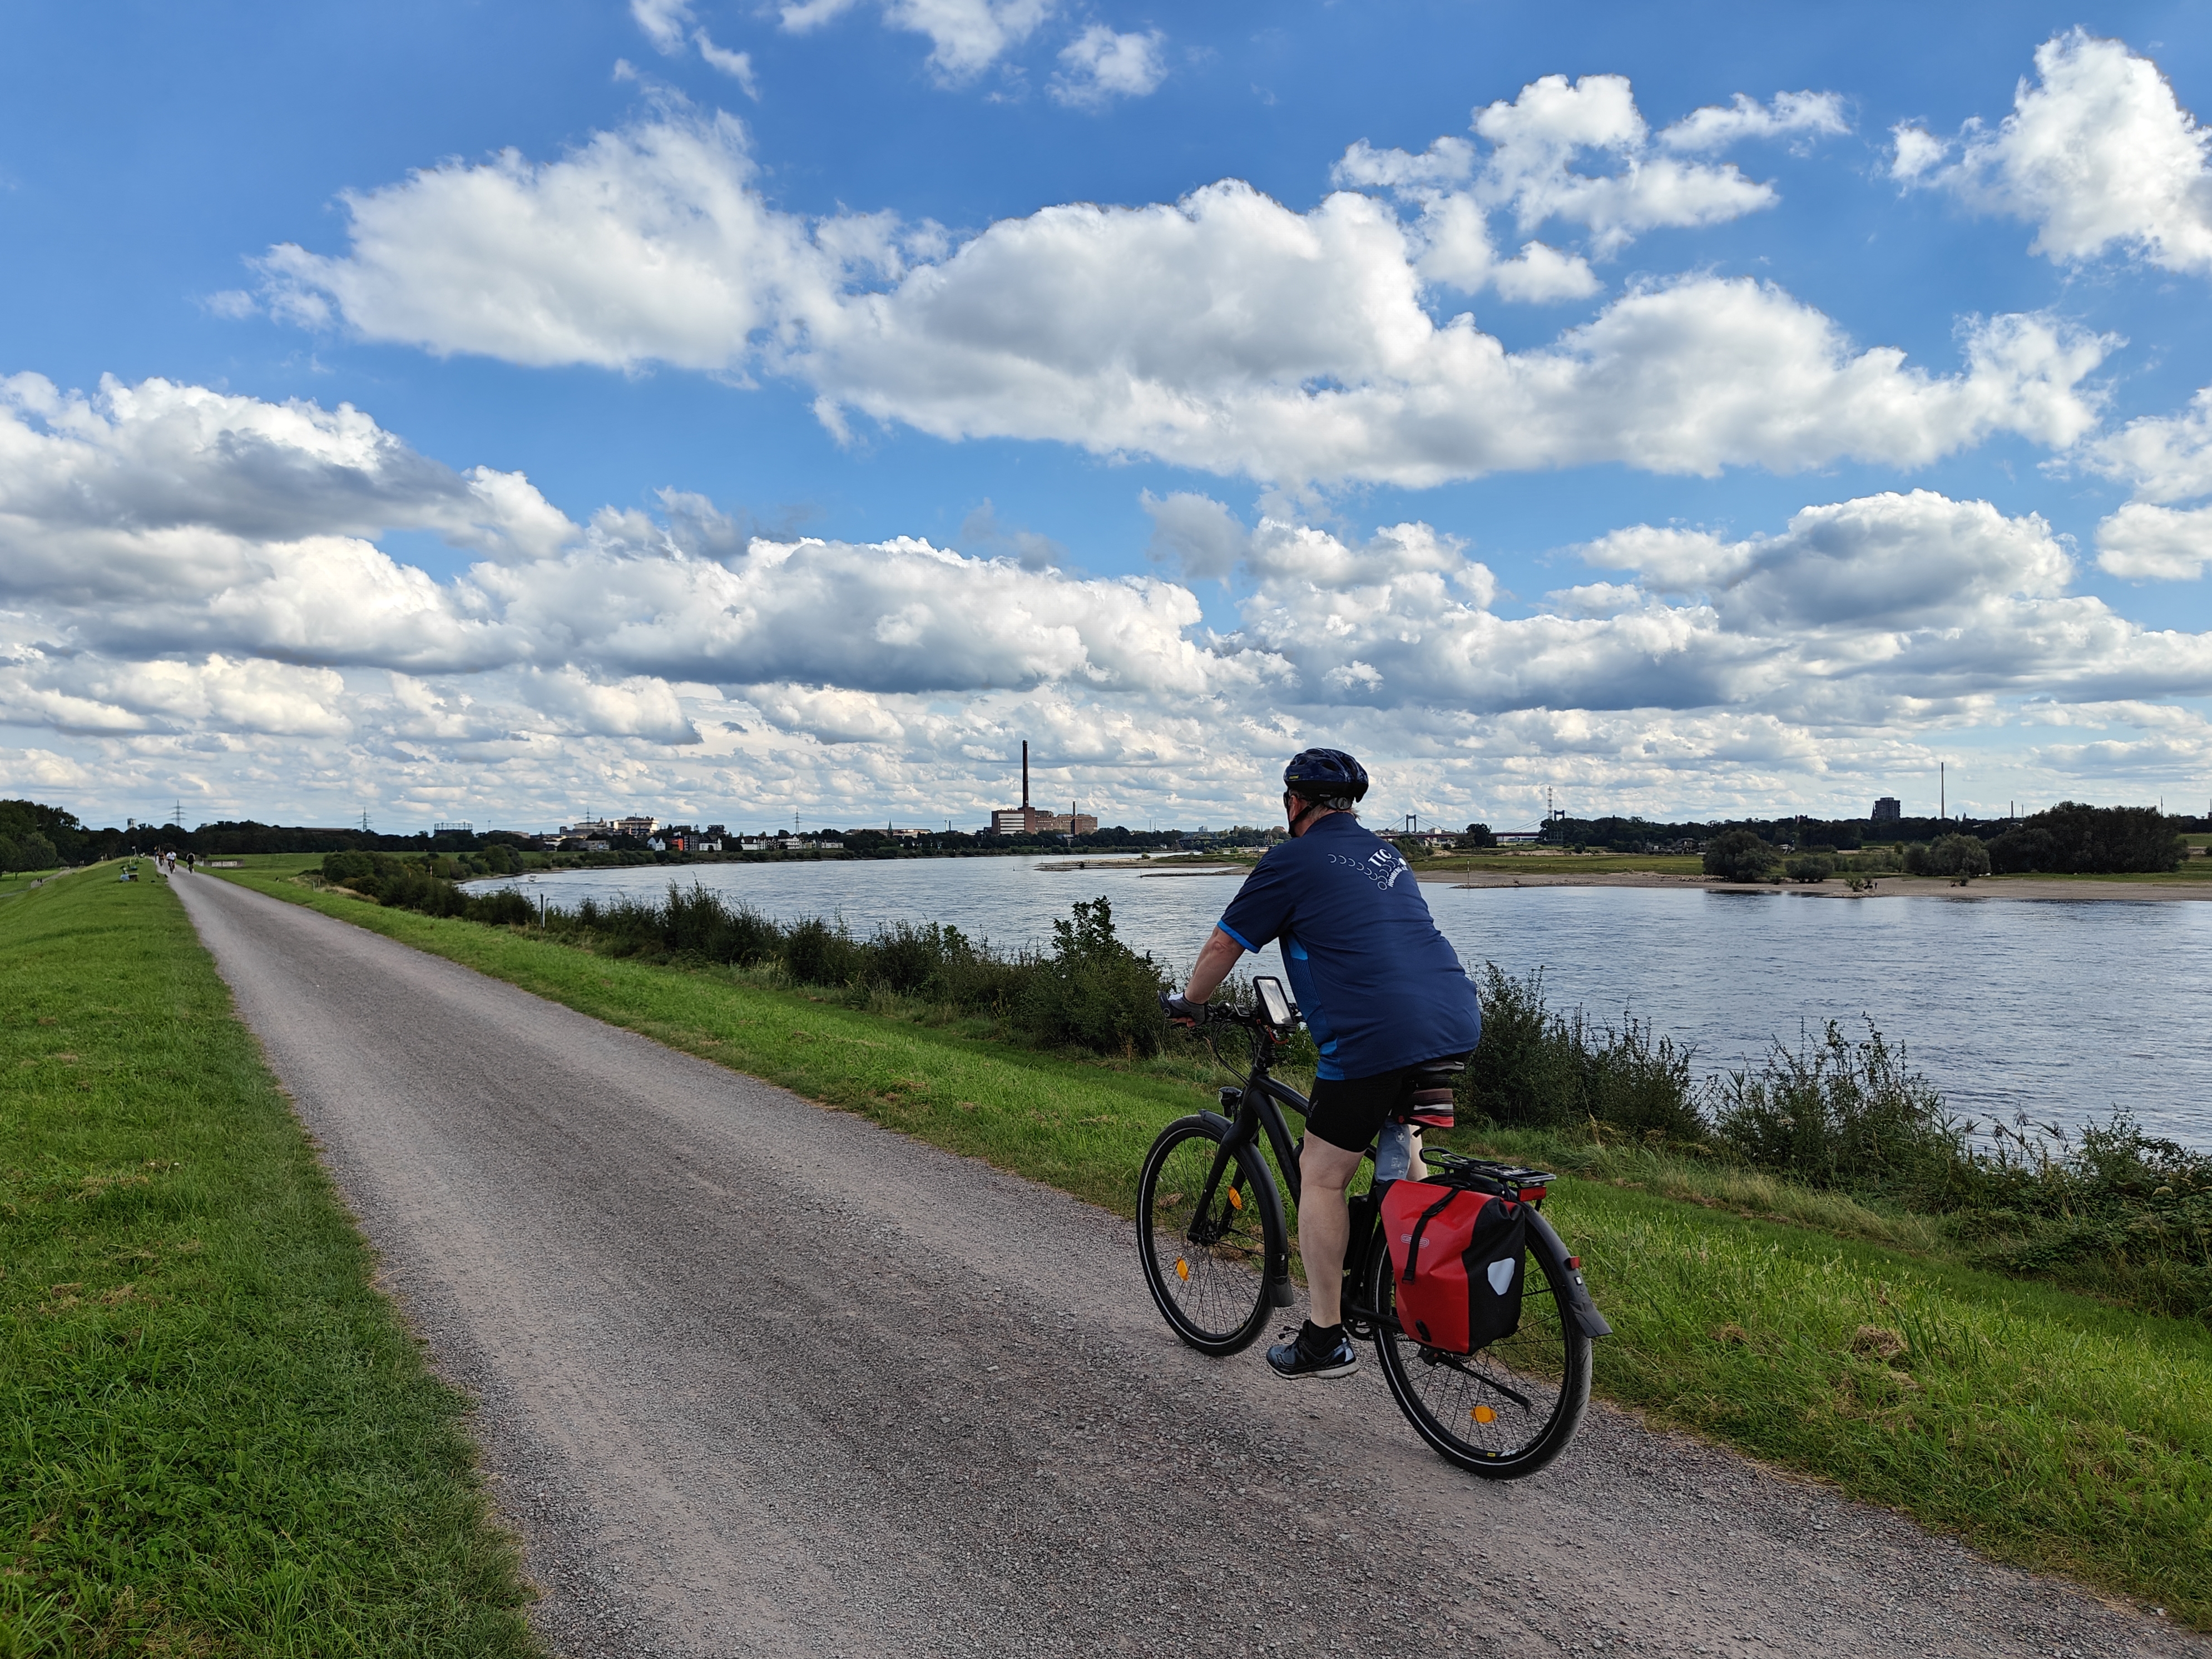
(1381, 991)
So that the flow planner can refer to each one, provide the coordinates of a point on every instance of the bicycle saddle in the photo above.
(1429, 1104)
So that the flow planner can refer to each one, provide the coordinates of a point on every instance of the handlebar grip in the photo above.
(1175, 1008)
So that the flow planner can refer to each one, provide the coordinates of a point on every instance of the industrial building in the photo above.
(1028, 820)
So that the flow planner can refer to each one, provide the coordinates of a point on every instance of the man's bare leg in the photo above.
(1325, 1225)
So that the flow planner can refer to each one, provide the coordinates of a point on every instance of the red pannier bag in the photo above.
(1458, 1258)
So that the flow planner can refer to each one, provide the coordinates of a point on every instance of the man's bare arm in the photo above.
(1213, 964)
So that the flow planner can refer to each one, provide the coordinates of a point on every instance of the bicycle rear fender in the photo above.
(1570, 1279)
(1271, 1195)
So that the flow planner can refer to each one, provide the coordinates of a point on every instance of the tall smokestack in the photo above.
(1025, 775)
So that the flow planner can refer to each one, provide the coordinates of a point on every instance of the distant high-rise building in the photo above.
(1887, 810)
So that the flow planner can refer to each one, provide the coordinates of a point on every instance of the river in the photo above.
(2059, 1009)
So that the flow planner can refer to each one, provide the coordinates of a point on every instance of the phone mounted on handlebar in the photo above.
(1274, 1006)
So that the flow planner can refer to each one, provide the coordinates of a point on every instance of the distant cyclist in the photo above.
(1381, 989)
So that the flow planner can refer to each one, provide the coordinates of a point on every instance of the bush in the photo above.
(822, 953)
(1477, 835)
(344, 869)
(1535, 1068)
(1960, 857)
(1739, 855)
(1093, 990)
(909, 958)
(974, 978)
(1838, 1113)
(505, 909)
(1810, 867)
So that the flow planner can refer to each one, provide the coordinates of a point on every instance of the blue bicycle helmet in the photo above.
(1328, 777)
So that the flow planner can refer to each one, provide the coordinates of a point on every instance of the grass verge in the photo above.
(2046, 1428)
(219, 1438)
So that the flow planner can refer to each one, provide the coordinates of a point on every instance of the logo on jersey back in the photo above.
(1382, 867)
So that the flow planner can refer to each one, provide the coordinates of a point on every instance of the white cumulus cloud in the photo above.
(1099, 66)
(1224, 332)
(2167, 458)
(2145, 543)
(2099, 154)
(1537, 169)
(1718, 125)
(1231, 334)
(651, 245)
(966, 37)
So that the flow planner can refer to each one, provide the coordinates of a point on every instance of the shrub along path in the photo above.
(219, 1439)
(2047, 1428)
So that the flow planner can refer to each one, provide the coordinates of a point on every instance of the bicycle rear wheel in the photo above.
(1207, 1268)
(1506, 1410)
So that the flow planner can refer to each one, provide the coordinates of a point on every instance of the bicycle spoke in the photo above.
(1485, 1379)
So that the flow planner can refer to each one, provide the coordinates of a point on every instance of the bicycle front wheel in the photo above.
(1504, 1411)
(1206, 1253)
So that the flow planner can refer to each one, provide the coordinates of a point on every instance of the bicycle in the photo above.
(1214, 1245)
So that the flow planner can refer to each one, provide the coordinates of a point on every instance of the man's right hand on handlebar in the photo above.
(1180, 1010)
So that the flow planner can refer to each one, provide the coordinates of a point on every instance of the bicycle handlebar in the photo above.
(1206, 1013)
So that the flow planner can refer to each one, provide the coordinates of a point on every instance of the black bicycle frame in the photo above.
(1260, 1106)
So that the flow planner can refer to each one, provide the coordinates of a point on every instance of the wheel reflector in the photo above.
(1182, 1268)
(1235, 1199)
(1483, 1414)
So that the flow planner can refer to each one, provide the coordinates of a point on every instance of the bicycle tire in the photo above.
(1504, 1411)
(1208, 1275)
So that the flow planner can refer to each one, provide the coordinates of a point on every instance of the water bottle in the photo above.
(1393, 1151)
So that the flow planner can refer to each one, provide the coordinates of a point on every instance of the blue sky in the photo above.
(650, 419)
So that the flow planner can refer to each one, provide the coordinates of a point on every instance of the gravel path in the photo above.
(761, 1378)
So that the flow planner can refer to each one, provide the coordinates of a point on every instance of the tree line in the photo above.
(2069, 839)
(62, 839)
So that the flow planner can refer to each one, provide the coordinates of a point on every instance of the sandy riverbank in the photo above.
(2049, 888)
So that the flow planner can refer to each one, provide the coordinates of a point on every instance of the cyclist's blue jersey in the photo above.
(1380, 988)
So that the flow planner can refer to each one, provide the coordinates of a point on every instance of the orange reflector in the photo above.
(1483, 1414)
(1182, 1268)
(1235, 1199)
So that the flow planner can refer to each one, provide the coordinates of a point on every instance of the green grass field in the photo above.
(2046, 1428)
(219, 1438)
(15, 886)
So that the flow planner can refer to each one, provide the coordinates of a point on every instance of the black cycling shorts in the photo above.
(1349, 1112)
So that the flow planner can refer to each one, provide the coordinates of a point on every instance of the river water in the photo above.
(2059, 1009)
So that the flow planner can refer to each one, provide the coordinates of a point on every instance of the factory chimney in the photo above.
(1025, 775)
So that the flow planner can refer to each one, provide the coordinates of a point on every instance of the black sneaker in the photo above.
(1314, 1352)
